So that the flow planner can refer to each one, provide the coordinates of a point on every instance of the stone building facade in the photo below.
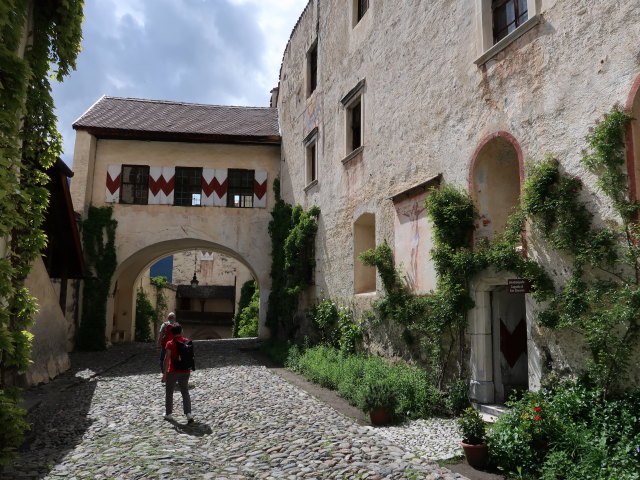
(378, 100)
(179, 177)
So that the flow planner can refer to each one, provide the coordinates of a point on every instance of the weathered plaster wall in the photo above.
(49, 347)
(427, 108)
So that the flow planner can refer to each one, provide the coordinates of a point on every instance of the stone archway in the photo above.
(498, 323)
(121, 302)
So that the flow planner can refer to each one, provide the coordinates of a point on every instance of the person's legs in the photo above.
(183, 383)
(162, 354)
(170, 385)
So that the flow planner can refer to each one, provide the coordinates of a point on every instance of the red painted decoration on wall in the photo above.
(113, 184)
(156, 186)
(214, 186)
(513, 344)
(259, 189)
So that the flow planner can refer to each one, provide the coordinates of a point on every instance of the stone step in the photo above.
(490, 413)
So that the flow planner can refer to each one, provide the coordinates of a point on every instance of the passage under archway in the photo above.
(496, 184)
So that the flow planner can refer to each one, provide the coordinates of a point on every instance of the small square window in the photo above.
(188, 187)
(312, 69)
(240, 193)
(135, 184)
(507, 16)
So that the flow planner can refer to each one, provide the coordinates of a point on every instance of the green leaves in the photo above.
(292, 232)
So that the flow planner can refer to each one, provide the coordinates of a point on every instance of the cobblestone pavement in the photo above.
(250, 424)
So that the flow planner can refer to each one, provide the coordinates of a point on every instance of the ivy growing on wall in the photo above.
(29, 145)
(601, 298)
(159, 283)
(292, 232)
(246, 295)
(98, 242)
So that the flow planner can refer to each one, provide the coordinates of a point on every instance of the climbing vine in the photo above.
(292, 232)
(98, 241)
(601, 298)
(29, 145)
(159, 283)
(246, 295)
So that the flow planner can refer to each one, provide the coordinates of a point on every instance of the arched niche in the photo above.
(364, 238)
(494, 181)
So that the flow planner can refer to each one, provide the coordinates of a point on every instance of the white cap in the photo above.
(171, 315)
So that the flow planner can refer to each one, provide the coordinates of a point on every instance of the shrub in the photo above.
(359, 378)
(247, 318)
(13, 424)
(145, 315)
(569, 432)
(336, 326)
(472, 427)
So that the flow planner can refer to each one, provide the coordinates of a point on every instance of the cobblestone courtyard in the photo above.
(103, 420)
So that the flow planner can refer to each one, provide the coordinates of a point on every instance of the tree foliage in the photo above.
(29, 145)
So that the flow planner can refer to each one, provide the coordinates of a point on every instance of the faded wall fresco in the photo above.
(413, 243)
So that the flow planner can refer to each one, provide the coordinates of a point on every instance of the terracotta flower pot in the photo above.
(476, 454)
(380, 416)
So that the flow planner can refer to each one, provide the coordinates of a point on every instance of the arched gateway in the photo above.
(179, 177)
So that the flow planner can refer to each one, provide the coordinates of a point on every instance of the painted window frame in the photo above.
(240, 184)
(487, 47)
(311, 157)
(143, 184)
(185, 187)
(354, 104)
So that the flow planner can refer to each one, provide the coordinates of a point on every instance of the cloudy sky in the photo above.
(222, 52)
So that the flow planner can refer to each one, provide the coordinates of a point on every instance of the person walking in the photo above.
(164, 336)
(178, 363)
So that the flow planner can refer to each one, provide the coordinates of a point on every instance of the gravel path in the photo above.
(250, 423)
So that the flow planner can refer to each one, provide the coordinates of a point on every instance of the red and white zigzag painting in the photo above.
(214, 187)
(161, 185)
(114, 181)
(260, 189)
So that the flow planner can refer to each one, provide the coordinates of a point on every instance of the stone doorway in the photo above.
(498, 332)
(509, 342)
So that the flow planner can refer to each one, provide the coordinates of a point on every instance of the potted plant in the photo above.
(379, 400)
(473, 430)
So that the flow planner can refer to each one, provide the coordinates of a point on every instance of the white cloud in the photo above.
(224, 52)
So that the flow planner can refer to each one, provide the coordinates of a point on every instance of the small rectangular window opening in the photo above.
(312, 58)
(363, 6)
(135, 184)
(188, 187)
(355, 114)
(507, 16)
(240, 193)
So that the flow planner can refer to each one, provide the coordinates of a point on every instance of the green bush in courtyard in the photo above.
(352, 376)
(245, 323)
(568, 432)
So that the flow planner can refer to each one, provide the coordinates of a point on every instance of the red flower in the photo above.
(537, 409)
(537, 418)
